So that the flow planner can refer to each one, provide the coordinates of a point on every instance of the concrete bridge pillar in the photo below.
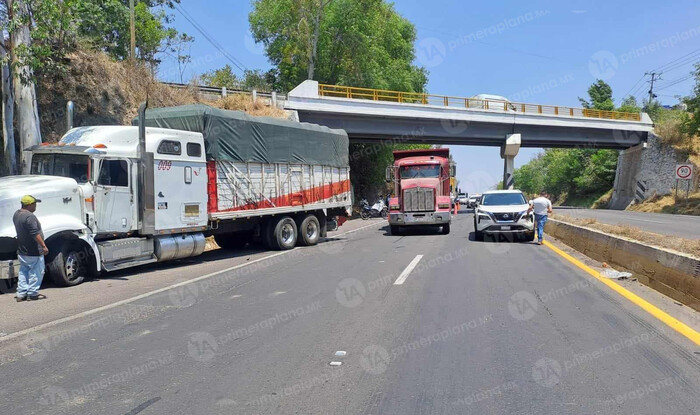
(509, 150)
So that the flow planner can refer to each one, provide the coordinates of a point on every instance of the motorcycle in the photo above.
(377, 210)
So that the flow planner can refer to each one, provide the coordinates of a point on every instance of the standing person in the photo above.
(542, 207)
(30, 250)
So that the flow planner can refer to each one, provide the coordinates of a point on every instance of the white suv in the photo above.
(504, 212)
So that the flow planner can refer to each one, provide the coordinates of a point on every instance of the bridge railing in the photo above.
(476, 103)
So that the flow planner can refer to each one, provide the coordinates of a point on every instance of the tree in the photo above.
(360, 43)
(629, 104)
(8, 110)
(224, 77)
(19, 21)
(600, 95)
(691, 123)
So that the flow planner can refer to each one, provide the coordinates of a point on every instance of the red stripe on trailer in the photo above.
(313, 195)
(213, 200)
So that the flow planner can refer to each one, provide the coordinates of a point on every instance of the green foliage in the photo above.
(224, 77)
(57, 27)
(600, 95)
(361, 43)
(629, 104)
(691, 123)
(368, 164)
(569, 173)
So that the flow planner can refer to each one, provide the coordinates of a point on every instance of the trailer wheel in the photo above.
(69, 266)
(446, 229)
(232, 241)
(284, 233)
(309, 230)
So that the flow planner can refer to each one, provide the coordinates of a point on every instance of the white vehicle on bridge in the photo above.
(504, 212)
(115, 197)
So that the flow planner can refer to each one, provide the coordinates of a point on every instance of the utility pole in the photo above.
(132, 27)
(654, 77)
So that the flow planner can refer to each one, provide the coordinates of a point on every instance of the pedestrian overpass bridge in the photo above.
(374, 115)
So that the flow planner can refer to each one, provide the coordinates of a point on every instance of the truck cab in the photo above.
(422, 189)
(95, 193)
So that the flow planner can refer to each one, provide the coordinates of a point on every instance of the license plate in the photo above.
(505, 228)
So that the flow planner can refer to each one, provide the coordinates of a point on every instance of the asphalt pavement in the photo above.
(428, 323)
(684, 226)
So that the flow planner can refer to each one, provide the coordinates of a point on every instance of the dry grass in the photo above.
(244, 102)
(108, 92)
(669, 204)
(687, 246)
(603, 201)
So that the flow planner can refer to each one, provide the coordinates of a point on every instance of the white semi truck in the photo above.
(121, 196)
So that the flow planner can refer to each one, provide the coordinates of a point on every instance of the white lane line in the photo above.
(647, 220)
(409, 268)
(157, 291)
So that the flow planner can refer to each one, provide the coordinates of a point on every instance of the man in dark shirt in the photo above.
(30, 250)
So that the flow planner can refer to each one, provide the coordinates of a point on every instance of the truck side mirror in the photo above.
(453, 170)
(388, 173)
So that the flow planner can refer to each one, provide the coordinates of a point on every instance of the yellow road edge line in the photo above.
(667, 319)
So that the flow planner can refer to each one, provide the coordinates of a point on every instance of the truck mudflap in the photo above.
(419, 218)
(9, 269)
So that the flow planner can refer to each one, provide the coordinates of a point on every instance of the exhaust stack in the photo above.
(70, 110)
(145, 178)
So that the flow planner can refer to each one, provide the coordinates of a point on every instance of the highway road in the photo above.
(684, 226)
(365, 323)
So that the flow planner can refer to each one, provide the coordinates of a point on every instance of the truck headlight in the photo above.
(394, 207)
(443, 205)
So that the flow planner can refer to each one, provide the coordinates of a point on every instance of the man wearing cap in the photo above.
(30, 250)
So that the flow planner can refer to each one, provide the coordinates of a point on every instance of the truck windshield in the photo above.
(414, 172)
(503, 199)
(74, 166)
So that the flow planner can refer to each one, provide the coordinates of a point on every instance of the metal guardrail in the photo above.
(213, 90)
(476, 103)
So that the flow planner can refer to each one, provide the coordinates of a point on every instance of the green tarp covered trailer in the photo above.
(238, 137)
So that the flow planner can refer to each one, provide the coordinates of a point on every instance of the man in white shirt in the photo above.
(541, 207)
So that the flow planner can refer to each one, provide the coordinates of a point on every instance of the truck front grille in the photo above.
(419, 199)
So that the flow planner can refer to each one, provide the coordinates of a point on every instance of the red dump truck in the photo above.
(421, 181)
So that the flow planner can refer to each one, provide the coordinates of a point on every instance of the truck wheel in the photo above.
(446, 229)
(395, 229)
(284, 233)
(69, 266)
(309, 230)
(232, 241)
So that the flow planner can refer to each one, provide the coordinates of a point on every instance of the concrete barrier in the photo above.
(674, 274)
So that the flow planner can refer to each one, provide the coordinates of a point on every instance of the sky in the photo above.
(545, 52)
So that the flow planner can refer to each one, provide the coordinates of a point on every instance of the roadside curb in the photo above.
(674, 274)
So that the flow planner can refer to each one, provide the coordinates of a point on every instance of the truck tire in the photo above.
(395, 229)
(446, 229)
(309, 230)
(69, 266)
(283, 233)
(232, 241)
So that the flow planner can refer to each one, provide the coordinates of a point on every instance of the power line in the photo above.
(238, 64)
(676, 82)
(691, 59)
(661, 68)
(635, 84)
